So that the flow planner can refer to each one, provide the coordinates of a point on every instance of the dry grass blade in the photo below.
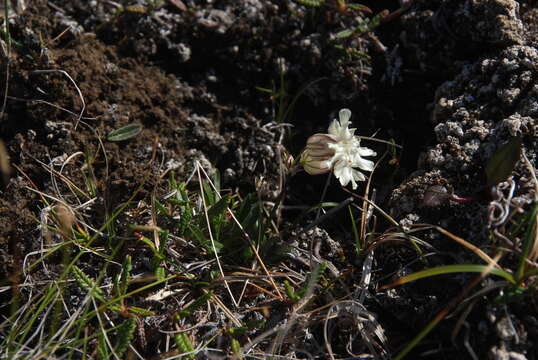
(532, 171)
(400, 237)
(366, 210)
(66, 180)
(245, 284)
(198, 166)
(225, 309)
(533, 253)
(371, 203)
(39, 101)
(61, 334)
(5, 169)
(34, 186)
(250, 280)
(470, 246)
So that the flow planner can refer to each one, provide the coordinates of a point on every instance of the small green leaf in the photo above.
(219, 208)
(239, 331)
(216, 180)
(161, 209)
(88, 284)
(184, 344)
(150, 244)
(290, 291)
(501, 164)
(355, 231)
(198, 235)
(160, 273)
(262, 89)
(359, 7)
(126, 274)
(125, 335)
(140, 311)
(344, 34)
(210, 196)
(236, 348)
(312, 3)
(125, 132)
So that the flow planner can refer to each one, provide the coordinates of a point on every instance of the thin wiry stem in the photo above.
(74, 84)
(208, 222)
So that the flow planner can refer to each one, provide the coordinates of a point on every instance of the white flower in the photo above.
(339, 151)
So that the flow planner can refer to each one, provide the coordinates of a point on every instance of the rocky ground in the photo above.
(236, 86)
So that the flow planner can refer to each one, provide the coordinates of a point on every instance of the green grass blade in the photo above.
(22, 331)
(449, 269)
(113, 302)
(528, 243)
(355, 231)
(102, 348)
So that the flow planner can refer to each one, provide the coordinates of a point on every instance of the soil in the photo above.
(450, 81)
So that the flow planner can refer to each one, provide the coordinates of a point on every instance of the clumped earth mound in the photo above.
(491, 99)
(234, 88)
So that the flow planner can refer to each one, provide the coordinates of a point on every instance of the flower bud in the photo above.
(317, 155)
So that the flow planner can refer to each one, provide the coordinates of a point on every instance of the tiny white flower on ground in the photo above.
(339, 151)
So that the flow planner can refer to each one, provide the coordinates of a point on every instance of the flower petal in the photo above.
(343, 174)
(364, 151)
(344, 115)
(363, 164)
(334, 128)
(358, 176)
